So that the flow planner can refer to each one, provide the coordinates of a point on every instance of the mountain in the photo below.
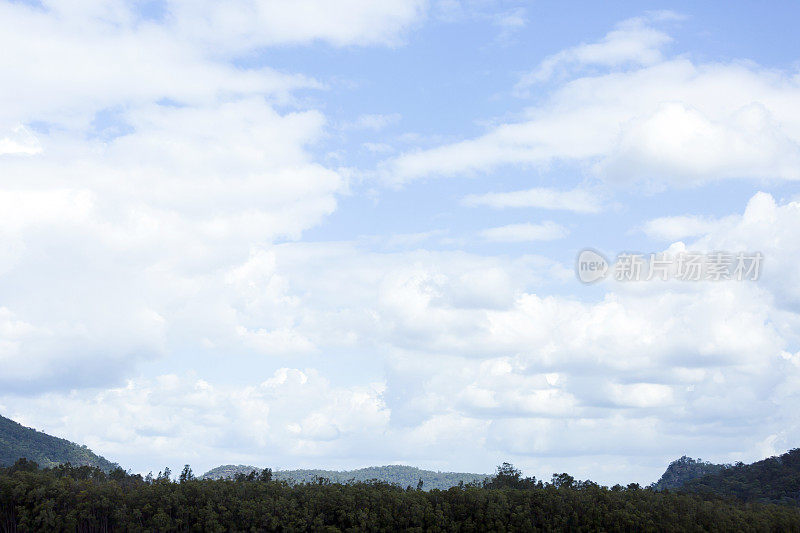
(17, 441)
(684, 470)
(229, 471)
(773, 480)
(394, 474)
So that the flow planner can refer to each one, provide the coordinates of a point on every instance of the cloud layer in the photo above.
(158, 296)
(474, 355)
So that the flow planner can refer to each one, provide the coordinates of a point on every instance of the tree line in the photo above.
(86, 499)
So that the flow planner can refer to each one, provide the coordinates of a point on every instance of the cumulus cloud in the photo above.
(174, 419)
(99, 59)
(666, 359)
(129, 195)
(660, 120)
(770, 228)
(103, 54)
(472, 354)
(149, 218)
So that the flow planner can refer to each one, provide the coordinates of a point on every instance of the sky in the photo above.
(305, 234)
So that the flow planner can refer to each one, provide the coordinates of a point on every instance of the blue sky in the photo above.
(289, 234)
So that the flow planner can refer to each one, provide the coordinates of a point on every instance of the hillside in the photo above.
(402, 476)
(773, 480)
(17, 441)
(683, 470)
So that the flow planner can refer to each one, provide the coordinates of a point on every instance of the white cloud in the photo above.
(633, 41)
(103, 54)
(769, 228)
(663, 122)
(576, 200)
(679, 227)
(641, 395)
(158, 168)
(511, 20)
(661, 358)
(472, 354)
(118, 249)
(247, 24)
(378, 148)
(20, 141)
(546, 231)
(171, 420)
(275, 342)
(96, 64)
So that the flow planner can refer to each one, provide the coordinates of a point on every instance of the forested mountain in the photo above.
(229, 471)
(683, 470)
(774, 480)
(400, 475)
(18, 441)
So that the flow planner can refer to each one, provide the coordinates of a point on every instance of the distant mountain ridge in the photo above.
(18, 441)
(395, 474)
(683, 470)
(772, 480)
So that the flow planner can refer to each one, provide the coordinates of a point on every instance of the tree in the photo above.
(23, 465)
(266, 475)
(509, 477)
(117, 474)
(563, 480)
(186, 474)
(166, 475)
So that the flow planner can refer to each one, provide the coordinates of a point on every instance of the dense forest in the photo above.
(393, 474)
(68, 498)
(18, 441)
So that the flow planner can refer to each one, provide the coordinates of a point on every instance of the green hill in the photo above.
(683, 470)
(18, 441)
(400, 475)
(773, 480)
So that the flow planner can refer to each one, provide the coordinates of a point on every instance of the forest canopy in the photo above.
(88, 499)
